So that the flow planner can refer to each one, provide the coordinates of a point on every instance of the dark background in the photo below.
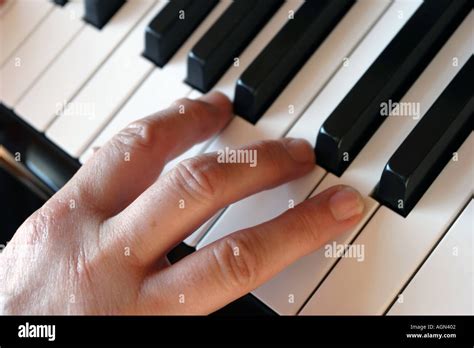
(17, 202)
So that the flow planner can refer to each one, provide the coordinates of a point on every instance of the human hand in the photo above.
(99, 245)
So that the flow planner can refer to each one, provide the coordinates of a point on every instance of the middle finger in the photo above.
(195, 189)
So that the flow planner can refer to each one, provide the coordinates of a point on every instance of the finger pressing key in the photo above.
(188, 195)
(232, 266)
(133, 159)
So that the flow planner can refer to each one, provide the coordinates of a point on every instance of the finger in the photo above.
(197, 188)
(231, 267)
(124, 167)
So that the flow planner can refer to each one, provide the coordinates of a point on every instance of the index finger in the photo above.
(132, 160)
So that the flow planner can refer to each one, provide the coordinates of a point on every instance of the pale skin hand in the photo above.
(99, 245)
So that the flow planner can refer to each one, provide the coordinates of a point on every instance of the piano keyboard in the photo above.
(73, 73)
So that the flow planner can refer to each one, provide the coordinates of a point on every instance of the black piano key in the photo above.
(172, 26)
(358, 116)
(284, 56)
(429, 147)
(226, 39)
(60, 2)
(98, 12)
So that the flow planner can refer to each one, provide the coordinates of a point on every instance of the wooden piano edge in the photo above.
(45, 168)
(49, 167)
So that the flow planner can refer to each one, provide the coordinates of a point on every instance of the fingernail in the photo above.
(299, 149)
(346, 203)
(218, 99)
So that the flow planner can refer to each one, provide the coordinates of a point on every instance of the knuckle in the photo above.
(193, 109)
(236, 262)
(272, 152)
(140, 135)
(304, 220)
(40, 226)
(199, 178)
(38, 232)
(36, 227)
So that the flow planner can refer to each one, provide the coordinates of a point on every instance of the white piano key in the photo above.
(240, 128)
(394, 246)
(366, 169)
(287, 291)
(105, 93)
(314, 74)
(444, 284)
(193, 239)
(165, 83)
(18, 22)
(76, 64)
(33, 57)
(245, 213)
(156, 93)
